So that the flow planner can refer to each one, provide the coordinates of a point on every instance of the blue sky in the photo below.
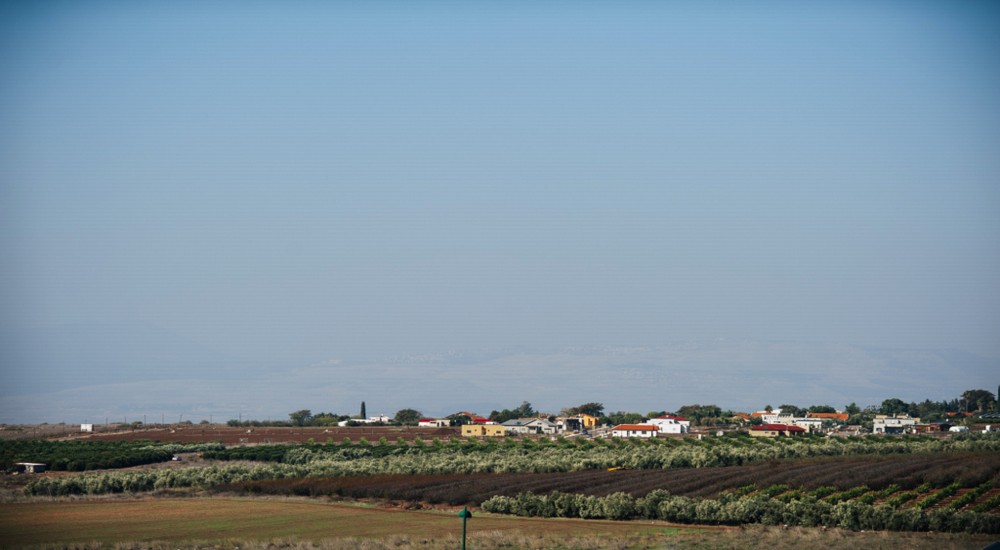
(268, 186)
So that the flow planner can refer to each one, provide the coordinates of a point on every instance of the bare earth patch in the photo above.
(260, 523)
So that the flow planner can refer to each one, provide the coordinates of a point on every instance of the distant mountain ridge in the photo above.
(741, 375)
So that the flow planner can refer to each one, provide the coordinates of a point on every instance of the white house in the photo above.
(543, 426)
(635, 430)
(86, 427)
(812, 425)
(517, 426)
(670, 424)
(433, 423)
(892, 424)
(767, 417)
(530, 426)
(370, 420)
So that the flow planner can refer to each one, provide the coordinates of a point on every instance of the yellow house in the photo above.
(582, 421)
(587, 420)
(483, 430)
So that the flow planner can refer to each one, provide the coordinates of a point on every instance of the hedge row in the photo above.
(562, 457)
(732, 509)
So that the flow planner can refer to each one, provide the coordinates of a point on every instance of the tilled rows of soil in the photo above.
(907, 471)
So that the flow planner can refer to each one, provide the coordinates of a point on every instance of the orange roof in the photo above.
(842, 417)
(636, 427)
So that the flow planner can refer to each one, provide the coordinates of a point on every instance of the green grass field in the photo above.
(256, 523)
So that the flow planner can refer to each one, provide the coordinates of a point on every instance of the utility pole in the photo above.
(465, 514)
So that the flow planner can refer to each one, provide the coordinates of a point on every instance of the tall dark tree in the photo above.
(407, 417)
(893, 406)
(790, 409)
(300, 418)
(364, 414)
(701, 415)
(977, 400)
(524, 410)
(593, 409)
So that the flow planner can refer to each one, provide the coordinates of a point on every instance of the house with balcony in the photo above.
(635, 430)
(900, 424)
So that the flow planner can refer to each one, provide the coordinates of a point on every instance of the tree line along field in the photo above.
(80, 455)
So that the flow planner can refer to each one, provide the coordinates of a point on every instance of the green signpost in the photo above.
(465, 514)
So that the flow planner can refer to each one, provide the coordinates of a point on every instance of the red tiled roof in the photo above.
(636, 427)
(475, 418)
(778, 428)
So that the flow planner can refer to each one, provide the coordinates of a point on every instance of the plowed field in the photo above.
(907, 471)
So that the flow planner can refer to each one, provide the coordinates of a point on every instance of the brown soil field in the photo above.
(258, 519)
(259, 524)
(250, 436)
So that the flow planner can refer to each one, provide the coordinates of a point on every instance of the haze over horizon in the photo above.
(218, 207)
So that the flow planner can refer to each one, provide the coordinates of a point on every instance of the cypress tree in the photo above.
(363, 415)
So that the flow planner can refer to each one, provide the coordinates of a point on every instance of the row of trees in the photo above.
(732, 509)
(305, 417)
(971, 401)
(77, 456)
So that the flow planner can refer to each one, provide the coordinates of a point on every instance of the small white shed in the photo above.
(32, 467)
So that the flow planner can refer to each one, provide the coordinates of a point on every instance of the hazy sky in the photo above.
(288, 183)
